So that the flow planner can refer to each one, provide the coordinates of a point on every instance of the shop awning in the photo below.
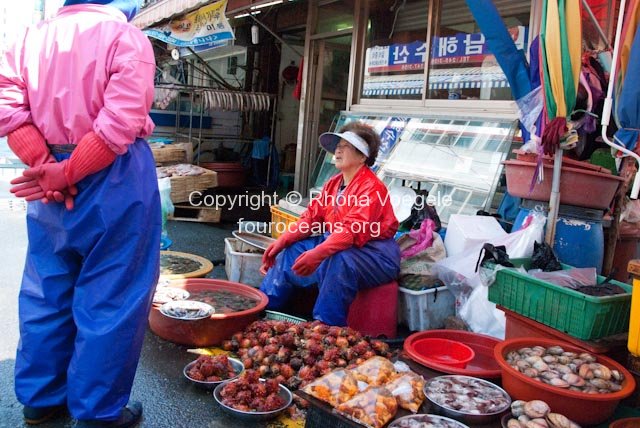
(166, 9)
(446, 78)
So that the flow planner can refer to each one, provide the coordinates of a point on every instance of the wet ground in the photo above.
(169, 400)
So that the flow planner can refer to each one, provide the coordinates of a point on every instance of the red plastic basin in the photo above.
(578, 187)
(483, 364)
(444, 351)
(209, 331)
(585, 409)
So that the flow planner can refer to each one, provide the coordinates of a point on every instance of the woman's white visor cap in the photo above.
(329, 141)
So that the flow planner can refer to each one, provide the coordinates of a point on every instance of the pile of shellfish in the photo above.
(537, 414)
(467, 395)
(571, 370)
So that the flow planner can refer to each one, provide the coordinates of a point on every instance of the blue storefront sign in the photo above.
(458, 48)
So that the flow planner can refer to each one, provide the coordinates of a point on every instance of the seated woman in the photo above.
(355, 248)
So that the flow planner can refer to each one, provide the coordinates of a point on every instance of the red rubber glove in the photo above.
(294, 234)
(29, 188)
(31, 148)
(90, 156)
(309, 261)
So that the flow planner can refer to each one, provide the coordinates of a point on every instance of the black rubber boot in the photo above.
(39, 415)
(129, 417)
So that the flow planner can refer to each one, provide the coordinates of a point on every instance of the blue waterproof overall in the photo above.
(339, 277)
(87, 289)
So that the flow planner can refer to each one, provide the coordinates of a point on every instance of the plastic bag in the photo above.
(408, 390)
(544, 258)
(375, 371)
(631, 211)
(530, 107)
(164, 187)
(373, 407)
(423, 238)
(334, 388)
(419, 268)
(421, 211)
(471, 288)
(570, 278)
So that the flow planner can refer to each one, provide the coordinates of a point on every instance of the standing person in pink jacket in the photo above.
(75, 95)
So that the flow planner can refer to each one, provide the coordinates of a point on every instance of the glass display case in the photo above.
(389, 129)
(458, 161)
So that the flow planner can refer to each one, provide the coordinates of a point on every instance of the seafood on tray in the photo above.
(169, 294)
(211, 369)
(467, 394)
(180, 170)
(575, 371)
(374, 407)
(186, 310)
(251, 394)
(537, 413)
(426, 421)
(174, 264)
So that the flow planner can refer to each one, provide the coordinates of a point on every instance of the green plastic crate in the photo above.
(577, 314)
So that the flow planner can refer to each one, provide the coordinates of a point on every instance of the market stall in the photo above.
(451, 90)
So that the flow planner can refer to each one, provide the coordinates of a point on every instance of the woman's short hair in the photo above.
(369, 135)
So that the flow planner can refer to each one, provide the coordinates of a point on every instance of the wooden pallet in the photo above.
(198, 214)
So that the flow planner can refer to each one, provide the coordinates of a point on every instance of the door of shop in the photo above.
(328, 92)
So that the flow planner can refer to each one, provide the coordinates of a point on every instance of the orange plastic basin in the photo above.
(209, 331)
(578, 187)
(585, 409)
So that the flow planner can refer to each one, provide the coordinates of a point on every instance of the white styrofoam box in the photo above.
(240, 265)
(425, 309)
(465, 232)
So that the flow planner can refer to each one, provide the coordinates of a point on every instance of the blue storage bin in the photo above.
(579, 239)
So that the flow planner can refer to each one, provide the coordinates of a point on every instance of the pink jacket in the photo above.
(84, 70)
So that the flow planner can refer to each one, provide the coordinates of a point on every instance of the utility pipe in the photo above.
(608, 102)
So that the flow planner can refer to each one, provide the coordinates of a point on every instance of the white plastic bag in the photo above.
(164, 187)
(471, 287)
(631, 211)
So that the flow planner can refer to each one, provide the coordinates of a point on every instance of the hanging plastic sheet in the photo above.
(511, 60)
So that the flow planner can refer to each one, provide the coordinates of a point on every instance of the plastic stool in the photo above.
(374, 312)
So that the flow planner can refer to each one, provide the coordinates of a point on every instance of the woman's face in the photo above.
(347, 156)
